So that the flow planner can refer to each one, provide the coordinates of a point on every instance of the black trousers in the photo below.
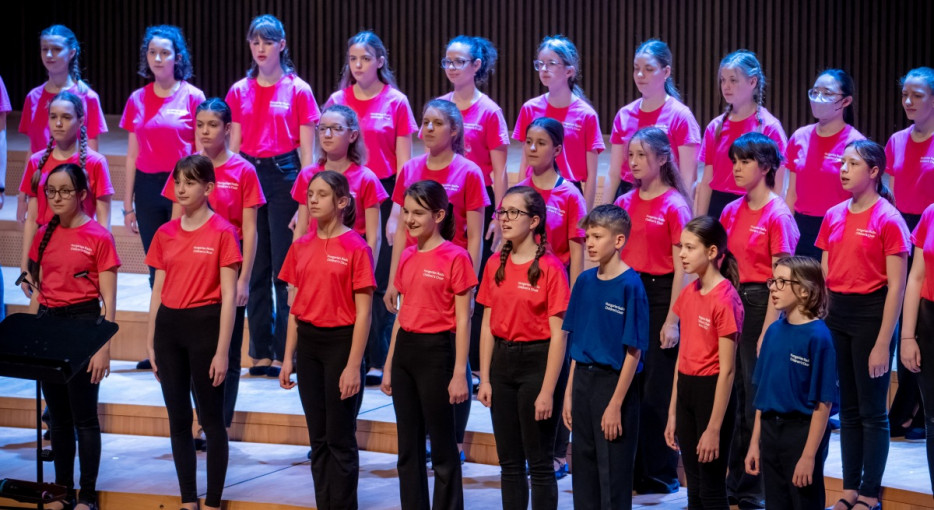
(854, 321)
(925, 333)
(656, 468)
(422, 368)
(809, 227)
(706, 481)
(332, 423)
(719, 200)
(602, 469)
(185, 343)
(908, 395)
(517, 372)
(739, 484)
(782, 441)
(152, 209)
(73, 411)
(377, 345)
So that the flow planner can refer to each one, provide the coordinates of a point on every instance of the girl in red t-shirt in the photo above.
(522, 349)
(72, 243)
(702, 409)
(342, 149)
(865, 243)
(331, 272)
(160, 119)
(660, 210)
(191, 318)
(426, 370)
(909, 153)
(68, 144)
(660, 106)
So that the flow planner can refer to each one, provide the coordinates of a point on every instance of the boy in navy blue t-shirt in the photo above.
(796, 384)
(608, 324)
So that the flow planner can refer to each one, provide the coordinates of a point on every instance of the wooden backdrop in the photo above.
(876, 41)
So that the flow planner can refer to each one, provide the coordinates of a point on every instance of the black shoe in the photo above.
(47, 435)
(273, 371)
(258, 370)
(144, 365)
(373, 379)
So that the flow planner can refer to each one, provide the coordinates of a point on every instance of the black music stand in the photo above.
(47, 349)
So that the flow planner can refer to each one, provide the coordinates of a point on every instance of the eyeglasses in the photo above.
(335, 128)
(65, 193)
(779, 283)
(511, 214)
(820, 94)
(541, 64)
(457, 63)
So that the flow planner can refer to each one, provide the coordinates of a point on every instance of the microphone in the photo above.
(86, 275)
(22, 279)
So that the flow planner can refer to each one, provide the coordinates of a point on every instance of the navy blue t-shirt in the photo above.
(605, 316)
(797, 368)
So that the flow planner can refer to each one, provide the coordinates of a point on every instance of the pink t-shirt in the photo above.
(99, 184)
(717, 152)
(565, 208)
(581, 132)
(365, 188)
(35, 119)
(237, 188)
(656, 227)
(461, 179)
(270, 117)
(673, 117)
(923, 237)
(754, 237)
(857, 244)
(912, 165)
(383, 118)
(428, 282)
(326, 274)
(704, 320)
(5, 105)
(164, 126)
(816, 162)
(484, 130)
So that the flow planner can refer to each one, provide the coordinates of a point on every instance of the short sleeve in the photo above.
(34, 247)
(106, 256)
(233, 100)
(792, 151)
(154, 257)
(617, 136)
(726, 320)
(486, 287)
(25, 118)
(921, 230)
(229, 247)
(708, 144)
(371, 192)
(522, 122)
(252, 192)
(823, 235)
(399, 282)
(559, 292)
(777, 134)
(289, 271)
(94, 115)
(475, 189)
(686, 131)
(101, 185)
(168, 191)
(577, 210)
(890, 155)
(593, 134)
(363, 277)
(895, 236)
(25, 185)
(783, 233)
(462, 276)
(300, 187)
(678, 216)
(130, 111)
(404, 119)
(636, 327)
(497, 132)
(823, 369)
(570, 315)
(307, 107)
(398, 192)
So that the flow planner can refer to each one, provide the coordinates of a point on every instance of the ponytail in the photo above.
(874, 156)
(660, 51)
(447, 225)
(349, 214)
(729, 268)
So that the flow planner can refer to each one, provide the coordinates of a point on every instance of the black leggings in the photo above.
(925, 332)
(185, 343)
(73, 411)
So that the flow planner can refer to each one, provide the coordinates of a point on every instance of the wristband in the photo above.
(126, 212)
(909, 337)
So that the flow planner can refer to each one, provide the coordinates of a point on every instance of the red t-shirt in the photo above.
(70, 251)
(923, 237)
(383, 118)
(236, 189)
(462, 180)
(164, 126)
(565, 207)
(428, 282)
(365, 188)
(754, 237)
(717, 152)
(857, 244)
(912, 165)
(704, 320)
(816, 162)
(673, 117)
(270, 117)
(581, 132)
(326, 273)
(35, 119)
(99, 184)
(656, 227)
(484, 130)
(192, 261)
(519, 311)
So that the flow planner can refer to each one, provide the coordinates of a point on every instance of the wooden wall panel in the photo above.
(876, 41)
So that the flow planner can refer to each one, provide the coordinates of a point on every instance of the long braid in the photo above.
(726, 116)
(535, 271)
(37, 175)
(503, 257)
(83, 148)
(760, 93)
(52, 225)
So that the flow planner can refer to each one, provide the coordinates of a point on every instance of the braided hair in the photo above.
(74, 68)
(536, 208)
(746, 62)
(82, 139)
(79, 181)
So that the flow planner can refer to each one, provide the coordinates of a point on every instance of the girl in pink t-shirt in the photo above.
(659, 210)
(814, 153)
(909, 153)
(559, 68)
(660, 106)
(865, 243)
(342, 149)
(742, 84)
(59, 50)
(68, 144)
(160, 119)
